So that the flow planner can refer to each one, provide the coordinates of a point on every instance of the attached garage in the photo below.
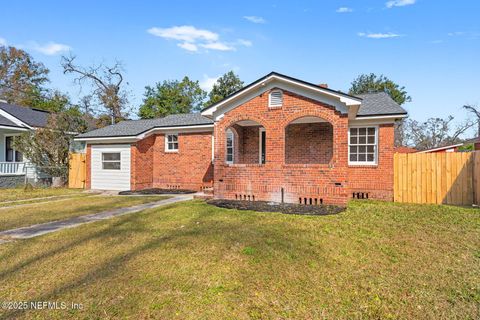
(110, 167)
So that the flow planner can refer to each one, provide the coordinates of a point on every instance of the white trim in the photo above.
(14, 119)
(260, 130)
(398, 116)
(332, 101)
(233, 146)
(111, 161)
(14, 150)
(441, 148)
(13, 128)
(270, 105)
(178, 129)
(364, 163)
(342, 99)
(167, 150)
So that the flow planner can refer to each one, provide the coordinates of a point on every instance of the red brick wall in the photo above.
(265, 182)
(141, 169)
(308, 143)
(376, 180)
(189, 168)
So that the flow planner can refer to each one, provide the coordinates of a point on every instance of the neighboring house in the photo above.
(403, 149)
(277, 139)
(14, 120)
(465, 146)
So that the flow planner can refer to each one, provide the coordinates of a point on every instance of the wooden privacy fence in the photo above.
(77, 170)
(441, 178)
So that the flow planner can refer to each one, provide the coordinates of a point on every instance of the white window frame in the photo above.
(167, 146)
(226, 146)
(270, 99)
(375, 153)
(260, 130)
(13, 148)
(111, 161)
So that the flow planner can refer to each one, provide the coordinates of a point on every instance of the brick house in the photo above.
(277, 139)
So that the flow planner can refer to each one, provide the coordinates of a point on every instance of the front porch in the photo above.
(13, 168)
(297, 161)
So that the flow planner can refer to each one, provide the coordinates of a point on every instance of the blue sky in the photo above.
(430, 47)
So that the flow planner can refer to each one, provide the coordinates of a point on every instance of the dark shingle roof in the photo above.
(32, 117)
(376, 104)
(5, 122)
(372, 104)
(136, 127)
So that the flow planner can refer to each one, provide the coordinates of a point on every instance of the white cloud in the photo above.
(379, 35)
(243, 42)
(255, 19)
(188, 46)
(399, 3)
(3, 42)
(344, 10)
(51, 48)
(217, 46)
(208, 82)
(191, 38)
(184, 33)
(436, 41)
(456, 33)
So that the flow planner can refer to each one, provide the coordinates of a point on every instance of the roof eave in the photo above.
(144, 134)
(384, 115)
(347, 99)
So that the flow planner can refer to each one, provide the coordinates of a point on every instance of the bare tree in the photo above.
(435, 132)
(107, 83)
(476, 112)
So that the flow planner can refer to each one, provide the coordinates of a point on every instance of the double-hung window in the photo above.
(12, 155)
(230, 142)
(171, 142)
(362, 145)
(111, 160)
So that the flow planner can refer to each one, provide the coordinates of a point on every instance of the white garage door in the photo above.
(110, 167)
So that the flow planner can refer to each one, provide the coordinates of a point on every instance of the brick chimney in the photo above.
(323, 85)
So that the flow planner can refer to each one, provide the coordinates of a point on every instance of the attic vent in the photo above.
(275, 99)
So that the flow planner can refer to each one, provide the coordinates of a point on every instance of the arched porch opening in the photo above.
(245, 143)
(309, 140)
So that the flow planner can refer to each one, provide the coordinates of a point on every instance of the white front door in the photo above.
(110, 167)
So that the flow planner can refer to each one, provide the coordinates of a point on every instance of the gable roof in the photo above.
(338, 96)
(372, 104)
(131, 128)
(4, 122)
(29, 116)
(379, 103)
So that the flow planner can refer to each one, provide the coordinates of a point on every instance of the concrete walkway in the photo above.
(48, 227)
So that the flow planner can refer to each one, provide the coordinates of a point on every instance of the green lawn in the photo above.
(193, 261)
(20, 193)
(27, 215)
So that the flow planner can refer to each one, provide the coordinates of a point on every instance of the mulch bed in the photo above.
(156, 191)
(287, 208)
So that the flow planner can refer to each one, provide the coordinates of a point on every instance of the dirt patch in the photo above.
(288, 208)
(157, 191)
